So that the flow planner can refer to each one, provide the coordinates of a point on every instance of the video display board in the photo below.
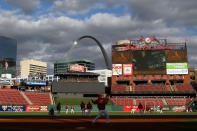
(173, 56)
(149, 60)
(176, 68)
(122, 57)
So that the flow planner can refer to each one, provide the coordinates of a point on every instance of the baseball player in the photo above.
(82, 108)
(101, 102)
(140, 107)
(132, 110)
(89, 108)
(72, 109)
(58, 109)
(66, 107)
(161, 109)
(149, 109)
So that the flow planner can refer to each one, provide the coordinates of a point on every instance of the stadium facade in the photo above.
(8, 55)
(75, 80)
(150, 67)
(63, 67)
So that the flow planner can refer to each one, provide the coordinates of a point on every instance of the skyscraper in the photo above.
(8, 55)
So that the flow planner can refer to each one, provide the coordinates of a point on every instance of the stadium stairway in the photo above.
(134, 101)
(52, 99)
(171, 87)
(164, 101)
(130, 88)
(26, 98)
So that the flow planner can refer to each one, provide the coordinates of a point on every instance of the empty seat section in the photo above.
(149, 101)
(123, 101)
(39, 98)
(11, 96)
(120, 88)
(182, 87)
(151, 88)
(178, 101)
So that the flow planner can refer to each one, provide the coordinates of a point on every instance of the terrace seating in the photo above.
(151, 88)
(182, 87)
(11, 96)
(150, 101)
(123, 101)
(120, 88)
(39, 98)
(178, 101)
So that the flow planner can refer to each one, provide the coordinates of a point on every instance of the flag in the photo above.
(6, 65)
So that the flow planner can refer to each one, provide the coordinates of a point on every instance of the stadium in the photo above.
(149, 71)
(152, 72)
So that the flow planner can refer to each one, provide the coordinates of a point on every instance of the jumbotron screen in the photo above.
(149, 61)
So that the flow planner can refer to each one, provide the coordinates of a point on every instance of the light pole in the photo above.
(100, 46)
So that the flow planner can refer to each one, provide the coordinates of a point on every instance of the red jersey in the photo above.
(101, 103)
(59, 107)
(72, 107)
(82, 106)
(66, 107)
(161, 107)
(89, 106)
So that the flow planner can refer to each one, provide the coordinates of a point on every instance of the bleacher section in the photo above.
(178, 101)
(39, 98)
(11, 96)
(123, 101)
(182, 87)
(149, 101)
(120, 88)
(151, 88)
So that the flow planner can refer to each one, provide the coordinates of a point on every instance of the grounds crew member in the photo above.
(82, 108)
(89, 108)
(101, 102)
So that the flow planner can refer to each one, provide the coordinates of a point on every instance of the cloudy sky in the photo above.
(45, 29)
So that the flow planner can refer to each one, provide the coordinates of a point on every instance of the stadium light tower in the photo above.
(100, 46)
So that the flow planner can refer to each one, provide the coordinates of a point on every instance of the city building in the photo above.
(64, 67)
(8, 54)
(33, 68)
(103, 75)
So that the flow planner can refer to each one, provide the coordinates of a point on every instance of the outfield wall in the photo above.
(38, 108)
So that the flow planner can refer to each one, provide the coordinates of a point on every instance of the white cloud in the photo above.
(48, 38)
(26, 5)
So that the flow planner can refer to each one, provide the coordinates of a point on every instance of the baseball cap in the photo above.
(100, 95)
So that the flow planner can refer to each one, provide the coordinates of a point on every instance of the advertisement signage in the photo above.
(177, 71)
(36, 108)
(177, 68)
(129, 108)
(15, 108)
(127, 69)
(18, 108)
(5, 107)
(178, 108)
(117, 69)
(77, 67)
(35, 83)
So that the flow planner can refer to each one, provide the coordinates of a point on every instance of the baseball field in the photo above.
(40, 121)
